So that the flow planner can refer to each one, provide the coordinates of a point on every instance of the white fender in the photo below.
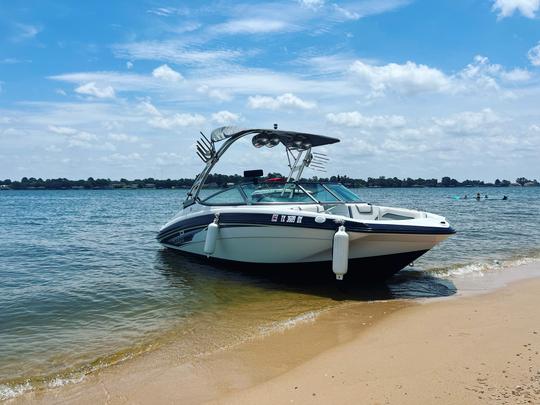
(340, 253)
(211, 237)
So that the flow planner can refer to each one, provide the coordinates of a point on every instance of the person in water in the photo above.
(465, 197)
(505, 197)
(478, 196)
(486, 196)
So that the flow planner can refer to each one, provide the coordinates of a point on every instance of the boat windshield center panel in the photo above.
(282, 193)
(290, 221)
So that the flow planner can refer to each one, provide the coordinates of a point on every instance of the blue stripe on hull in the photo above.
(373, 268)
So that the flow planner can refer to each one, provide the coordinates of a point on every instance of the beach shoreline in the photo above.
(472, 348)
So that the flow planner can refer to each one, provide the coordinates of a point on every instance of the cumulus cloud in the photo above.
(284, 101)
(482, 73)
(506, 8)
(469, 122)
(123, 159)
(177, 120)
(225, 117)
(81, 139)
(164, 72)
(92, 89)
(356, 119)
(408, 78)
(216, 94)
(129, 65)
(62, 130)
(121, 137)
(148, 108)
(534, 55)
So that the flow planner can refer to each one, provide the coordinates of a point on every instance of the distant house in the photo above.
(4, 187)
(149, 185)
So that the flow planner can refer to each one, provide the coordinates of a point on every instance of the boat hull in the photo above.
(287, 237)
(371, 268)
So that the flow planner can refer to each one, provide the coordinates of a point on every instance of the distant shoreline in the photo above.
(222, 180)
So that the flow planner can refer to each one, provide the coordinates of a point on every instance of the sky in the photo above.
(413, 88)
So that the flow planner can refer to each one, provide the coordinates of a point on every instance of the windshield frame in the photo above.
(339, 199)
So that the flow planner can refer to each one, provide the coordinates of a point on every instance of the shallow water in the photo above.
(84, 284)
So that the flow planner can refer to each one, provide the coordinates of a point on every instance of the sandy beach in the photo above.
(481, 348)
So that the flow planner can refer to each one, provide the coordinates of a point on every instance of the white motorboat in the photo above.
(288, 221)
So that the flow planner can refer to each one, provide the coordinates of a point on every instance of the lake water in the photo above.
(84, 284)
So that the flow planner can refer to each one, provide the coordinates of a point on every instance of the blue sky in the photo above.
(412, 87)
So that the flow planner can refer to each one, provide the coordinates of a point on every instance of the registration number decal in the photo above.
(289, 219)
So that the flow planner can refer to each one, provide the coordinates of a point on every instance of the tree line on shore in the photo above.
(221, 180)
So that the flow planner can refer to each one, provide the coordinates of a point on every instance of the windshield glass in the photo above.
(279, 192)
(343, 193)
(274, 192)
(319, 192)
(231, 196)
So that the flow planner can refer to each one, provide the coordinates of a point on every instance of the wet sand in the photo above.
(469, 349)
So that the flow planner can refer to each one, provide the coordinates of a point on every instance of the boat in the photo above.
(288, 223)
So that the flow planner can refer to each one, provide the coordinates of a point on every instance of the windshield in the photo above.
(284, 193)
(275, 193)
(343, 193)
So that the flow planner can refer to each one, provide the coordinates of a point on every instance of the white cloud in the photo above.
(216, 94)
(120, 158)
(13, 61)
(312, 4)
(534, 55)
(506, 8)
(346, 14)
(225, 117)
(408, 78)
(121, 137)
(252, 26)
(129, 65)
(84, 137)
(177, 120)
(26, 31)
(91, 89)
(284, 101)
(356, 119)
(469, 122)
(148, 108)
(164, 72)
(62, 130)
(172, 51)
(516, 75)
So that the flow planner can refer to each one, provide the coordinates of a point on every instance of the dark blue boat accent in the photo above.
(366, 268)
(250, 219)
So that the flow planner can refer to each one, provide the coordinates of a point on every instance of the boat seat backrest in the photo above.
(364, 208)
(340, 209)
(309, 208)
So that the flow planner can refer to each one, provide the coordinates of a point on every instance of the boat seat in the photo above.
(340, 209)
(313, 208)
